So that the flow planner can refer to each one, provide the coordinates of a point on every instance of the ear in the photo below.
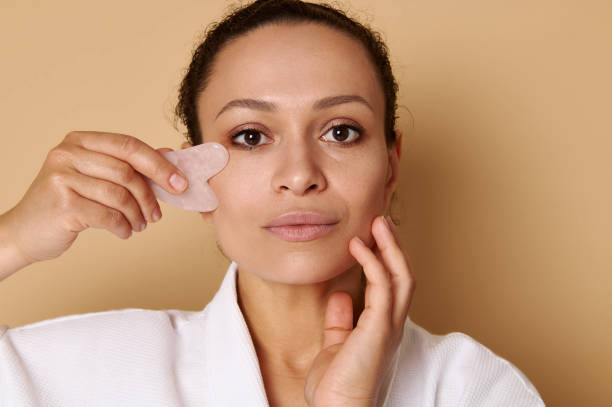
(395, 153)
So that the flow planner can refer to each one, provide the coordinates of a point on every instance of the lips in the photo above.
(301, 226)
(301, 218)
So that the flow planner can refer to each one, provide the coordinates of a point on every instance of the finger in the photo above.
(396, 264)
(106, 167)
(393, 229)
(88, 213)
(378, 301)
(408, 261)
(164, 150)
(338, 319)
(108, 194)
(398, 240)
(142, 157)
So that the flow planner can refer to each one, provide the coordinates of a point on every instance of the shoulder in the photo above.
(102, 317)
(455, 369)
(75, 359)
(95, 329)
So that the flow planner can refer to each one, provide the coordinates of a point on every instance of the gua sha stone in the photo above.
(198, 163)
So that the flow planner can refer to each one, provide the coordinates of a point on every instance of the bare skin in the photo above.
(90, 179)
(300, 299)
(320, 340)
(285, 372)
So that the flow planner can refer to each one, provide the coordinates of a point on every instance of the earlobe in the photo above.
(207, 216)
(398, 143)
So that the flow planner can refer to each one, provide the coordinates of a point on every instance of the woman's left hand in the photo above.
(351, 367)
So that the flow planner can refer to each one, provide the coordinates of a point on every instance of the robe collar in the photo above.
(233, 374)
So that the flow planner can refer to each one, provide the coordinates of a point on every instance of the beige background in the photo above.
(504, 199)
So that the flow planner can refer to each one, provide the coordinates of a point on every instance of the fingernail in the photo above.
(178, 183)
(360, 241)
(156, 215)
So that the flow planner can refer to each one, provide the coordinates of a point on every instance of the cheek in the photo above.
(362, 182)
(355, 192)
(362, 188)
(238, 188)
(244, 190)
(236, 182)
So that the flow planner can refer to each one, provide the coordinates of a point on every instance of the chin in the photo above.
(300, 268)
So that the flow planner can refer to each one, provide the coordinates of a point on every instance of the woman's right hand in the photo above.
(90, 179)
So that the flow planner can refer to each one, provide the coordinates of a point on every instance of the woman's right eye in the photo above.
(247, 139)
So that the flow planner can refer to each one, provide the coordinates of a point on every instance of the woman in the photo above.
(304, 100)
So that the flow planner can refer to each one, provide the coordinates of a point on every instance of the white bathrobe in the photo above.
(139, 357)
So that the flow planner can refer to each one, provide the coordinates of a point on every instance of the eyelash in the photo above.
(341, 144)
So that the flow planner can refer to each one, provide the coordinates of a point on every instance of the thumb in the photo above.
(338, 319)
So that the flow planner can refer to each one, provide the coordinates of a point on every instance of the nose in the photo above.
(299, 170)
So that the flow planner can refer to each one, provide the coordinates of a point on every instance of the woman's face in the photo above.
(302, 159)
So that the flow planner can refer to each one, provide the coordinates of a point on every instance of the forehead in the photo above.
(291, 64)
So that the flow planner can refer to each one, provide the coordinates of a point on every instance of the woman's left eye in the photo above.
(344, 134)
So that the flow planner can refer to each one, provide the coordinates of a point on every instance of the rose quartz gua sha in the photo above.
(198, 163)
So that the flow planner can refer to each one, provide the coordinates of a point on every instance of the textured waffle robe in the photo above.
(139, 357)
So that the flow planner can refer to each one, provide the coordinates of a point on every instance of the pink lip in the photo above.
(301, 226)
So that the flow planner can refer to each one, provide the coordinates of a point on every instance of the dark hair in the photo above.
(260, 13)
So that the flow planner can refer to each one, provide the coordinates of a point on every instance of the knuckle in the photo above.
(57, 154)
(57, 180)
(385, 280)
(129, 144)
(149, 200)
(125, 173)
(109, 189)
(162, 171)
(71, 136)
(122, 196)
(114, 218)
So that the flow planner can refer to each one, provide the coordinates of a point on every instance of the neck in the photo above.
(286, 320)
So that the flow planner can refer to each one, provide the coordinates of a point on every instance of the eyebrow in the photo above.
(320, 104)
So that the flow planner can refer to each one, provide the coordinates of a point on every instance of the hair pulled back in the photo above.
(263, 12)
